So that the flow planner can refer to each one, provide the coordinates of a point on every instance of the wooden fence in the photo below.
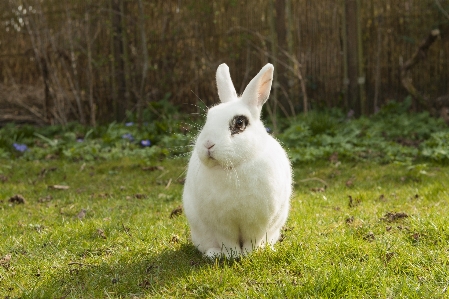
(91, 60)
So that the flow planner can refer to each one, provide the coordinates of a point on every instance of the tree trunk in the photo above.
(377, 72)
(274, 93)
(119, 65)
(352, 54)
(361, 70)
(281, 34)
(145, 58)
(90, 75)
(344, 41)
(48, 102)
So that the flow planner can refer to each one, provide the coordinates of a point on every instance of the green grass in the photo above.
(127, 246)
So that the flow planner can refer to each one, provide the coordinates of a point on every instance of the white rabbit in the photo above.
(239, 179)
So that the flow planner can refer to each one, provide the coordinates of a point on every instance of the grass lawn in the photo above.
(376, 231)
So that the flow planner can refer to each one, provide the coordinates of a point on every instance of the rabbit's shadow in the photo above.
(125, 275)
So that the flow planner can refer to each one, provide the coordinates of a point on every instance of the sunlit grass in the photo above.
(110, 234)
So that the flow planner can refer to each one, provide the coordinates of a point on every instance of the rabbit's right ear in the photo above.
(226, 90)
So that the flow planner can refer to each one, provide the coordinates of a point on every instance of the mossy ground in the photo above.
(110, 235)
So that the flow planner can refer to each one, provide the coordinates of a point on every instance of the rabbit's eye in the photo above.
(238, 124)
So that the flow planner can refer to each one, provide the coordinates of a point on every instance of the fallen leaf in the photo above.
(145, 284)
(194, 263)
(126, 229)
(176, 212)
(334, 157)
(174, 239)
(353, 202)
(5, 261)
(281, 238)
(101, 233)
(416, 236)
(17, 199)
(44, 171)
(389, 255)
(81, 214)
(393, 216)
(152, 168)
(369, 237)
(320, 189)
(45, 199)
(59, 187)
(140, 196)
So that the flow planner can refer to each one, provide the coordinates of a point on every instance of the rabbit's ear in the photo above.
(226, 90)
(258, 90)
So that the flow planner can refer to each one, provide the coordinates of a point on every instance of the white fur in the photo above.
(236, 194)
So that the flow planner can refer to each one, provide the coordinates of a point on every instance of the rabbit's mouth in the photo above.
(208, 158)
(209, 155)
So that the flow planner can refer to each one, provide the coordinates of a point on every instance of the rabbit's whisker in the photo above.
(199, 107)
(199, 99)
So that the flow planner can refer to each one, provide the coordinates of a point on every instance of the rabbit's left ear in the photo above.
(226, 90)
(258, 90)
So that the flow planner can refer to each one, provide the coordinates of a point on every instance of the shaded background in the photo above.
(91, 61)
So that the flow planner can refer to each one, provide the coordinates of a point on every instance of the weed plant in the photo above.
(392, 135)
(96, 212)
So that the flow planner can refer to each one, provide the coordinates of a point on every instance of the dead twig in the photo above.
(313, 179)
(79, 264)
(419, 55)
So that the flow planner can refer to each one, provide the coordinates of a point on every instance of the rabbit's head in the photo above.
(233, 132)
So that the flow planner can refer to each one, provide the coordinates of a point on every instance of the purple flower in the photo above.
(350, 114)
(128, 136)
(145, 143)
(268, 130)
(130, 124)
(20, 147)
(79, 140)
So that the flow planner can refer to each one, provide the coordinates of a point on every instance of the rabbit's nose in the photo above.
(209, 144)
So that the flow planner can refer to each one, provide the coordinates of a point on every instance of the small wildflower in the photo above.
(130, 124)
(350, 114)
(268, 130)
(145, 143)
(20, 147)
(79, 140)
(128, 136)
